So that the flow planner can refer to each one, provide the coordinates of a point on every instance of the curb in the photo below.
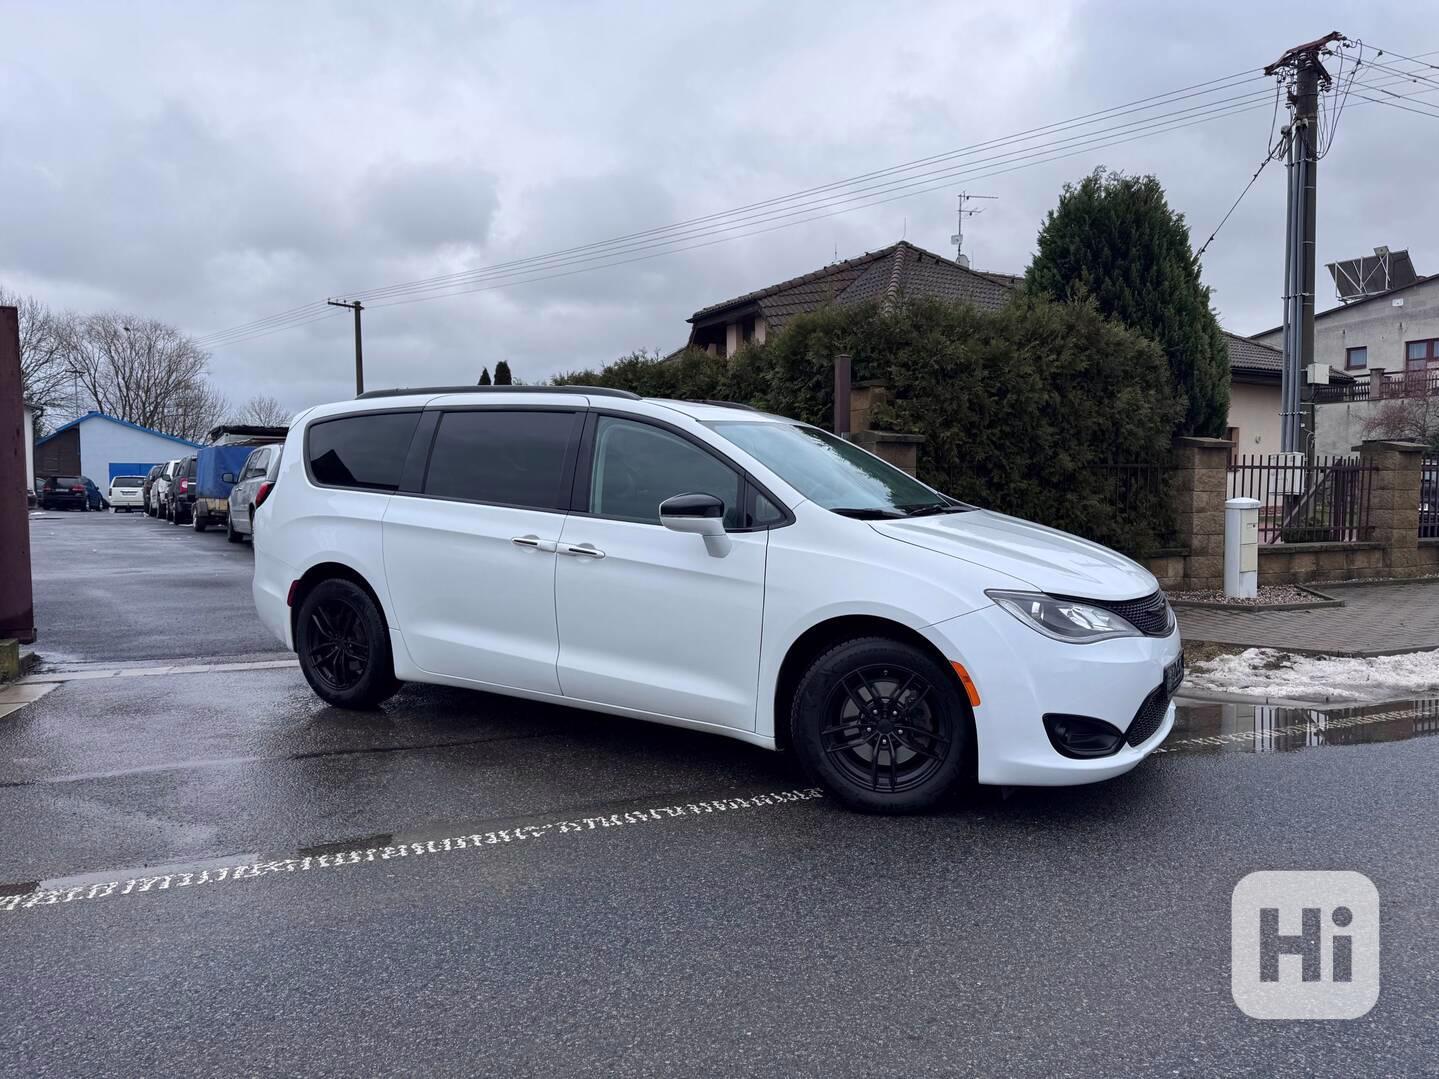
(1244, 608)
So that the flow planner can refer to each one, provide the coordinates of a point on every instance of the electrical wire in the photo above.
(653, 243)
(1139, 105)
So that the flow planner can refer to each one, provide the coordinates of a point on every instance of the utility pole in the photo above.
(357, 307)
(1303, 69)
(961, 213)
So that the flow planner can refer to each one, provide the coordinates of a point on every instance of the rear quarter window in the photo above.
(365, 452)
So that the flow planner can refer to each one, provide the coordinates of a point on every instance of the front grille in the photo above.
(1150, 615)
(1147, 720)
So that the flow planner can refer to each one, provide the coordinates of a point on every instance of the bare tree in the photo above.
(144, 371)
(262, 410)
(1412, 419)
(44, 371)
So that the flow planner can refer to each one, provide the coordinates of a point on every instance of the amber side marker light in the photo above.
(966, 681)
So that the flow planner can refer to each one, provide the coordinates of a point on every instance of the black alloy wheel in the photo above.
(883, 724)
(882, 733)
(344, 645)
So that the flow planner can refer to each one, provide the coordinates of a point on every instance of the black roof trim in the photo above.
(725, 404)
(589, 391)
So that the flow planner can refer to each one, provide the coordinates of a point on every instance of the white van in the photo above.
(708, 566)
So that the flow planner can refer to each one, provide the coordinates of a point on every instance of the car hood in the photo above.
(1047, 559)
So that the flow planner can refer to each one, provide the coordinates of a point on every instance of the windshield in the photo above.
(832, 472)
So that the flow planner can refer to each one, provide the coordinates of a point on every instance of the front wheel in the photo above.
(344, 646)
(882, 724)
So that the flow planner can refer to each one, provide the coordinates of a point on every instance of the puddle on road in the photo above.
(1203, 727)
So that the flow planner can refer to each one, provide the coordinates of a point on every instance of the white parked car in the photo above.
(127, 493)
(712, 567)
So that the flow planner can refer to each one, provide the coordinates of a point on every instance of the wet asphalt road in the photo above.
(121, 586)
(597, 914)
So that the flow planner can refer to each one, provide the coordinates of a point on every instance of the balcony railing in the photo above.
(1365, 387)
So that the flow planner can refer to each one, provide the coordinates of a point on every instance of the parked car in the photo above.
(216, 468)
(96, 499)
(180, 505)
(127, 493)
(710, 567)
(149, 489)
(164, 487)
(252, 485)
(64, 493)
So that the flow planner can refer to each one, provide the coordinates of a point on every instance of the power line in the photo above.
(1139, 105)
(673, 238)
(1205, 247)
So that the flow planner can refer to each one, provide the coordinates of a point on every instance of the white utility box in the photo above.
(1241, 548)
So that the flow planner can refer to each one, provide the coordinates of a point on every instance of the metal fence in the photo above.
(1324, 500)
(1139, 494)
(1429, 499)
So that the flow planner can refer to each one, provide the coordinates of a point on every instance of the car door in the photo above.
(470, 547)
(652, 619)
(254, 471)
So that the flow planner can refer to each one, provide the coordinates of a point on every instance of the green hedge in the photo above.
(1022, 409)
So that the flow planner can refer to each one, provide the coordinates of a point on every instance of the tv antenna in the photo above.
(958, 238)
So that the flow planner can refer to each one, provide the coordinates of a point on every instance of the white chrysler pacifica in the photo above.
(706, 565)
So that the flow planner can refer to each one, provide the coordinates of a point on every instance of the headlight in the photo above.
(1064, 619)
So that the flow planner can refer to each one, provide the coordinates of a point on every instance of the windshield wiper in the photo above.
(930, 511)
(866, 513)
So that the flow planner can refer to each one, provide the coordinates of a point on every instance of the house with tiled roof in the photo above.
(902, 269)
(1255, 370)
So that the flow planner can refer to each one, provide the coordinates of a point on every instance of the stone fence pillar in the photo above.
(1394, 501)
(1201, 483)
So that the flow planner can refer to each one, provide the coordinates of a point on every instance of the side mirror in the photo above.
(228, 477)
(702, 515)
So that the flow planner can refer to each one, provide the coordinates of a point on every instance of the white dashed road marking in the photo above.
(94, 886)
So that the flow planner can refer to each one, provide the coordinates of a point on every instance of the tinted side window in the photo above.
(511, 458)
(637, 466)
(361, 451)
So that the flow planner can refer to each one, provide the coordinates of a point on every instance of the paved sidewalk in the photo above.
(1377, 619)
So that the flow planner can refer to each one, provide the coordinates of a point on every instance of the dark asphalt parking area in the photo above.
(463, 884)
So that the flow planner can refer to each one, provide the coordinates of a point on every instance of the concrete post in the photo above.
(17, 605)
(1394, 501)
(1201, 481)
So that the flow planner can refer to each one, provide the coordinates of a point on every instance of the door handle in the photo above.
(535, 542)
(582, 550)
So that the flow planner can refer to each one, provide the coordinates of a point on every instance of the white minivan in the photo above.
(713, 567)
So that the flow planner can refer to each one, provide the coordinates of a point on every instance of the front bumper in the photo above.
(1021, 675)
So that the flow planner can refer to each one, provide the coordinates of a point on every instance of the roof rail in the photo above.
(727, 404)
(591, 391)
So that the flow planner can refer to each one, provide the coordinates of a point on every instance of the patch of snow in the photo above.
(1272, 673)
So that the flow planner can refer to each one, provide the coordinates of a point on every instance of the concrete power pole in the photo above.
(17, 604)
(355, 306)
(1303, 67)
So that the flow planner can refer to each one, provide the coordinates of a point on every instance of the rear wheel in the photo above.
(882, 724)
(344, 646)
(199, 521)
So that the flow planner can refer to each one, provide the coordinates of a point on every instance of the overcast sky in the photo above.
(215, 164)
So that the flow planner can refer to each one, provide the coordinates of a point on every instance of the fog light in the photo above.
(1082, 737)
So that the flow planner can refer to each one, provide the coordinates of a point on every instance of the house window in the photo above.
(1421, 354)
(1356, 358)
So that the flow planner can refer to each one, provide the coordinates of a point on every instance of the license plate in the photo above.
(1174, 674)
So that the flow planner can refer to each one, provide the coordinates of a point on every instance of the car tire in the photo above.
(344, 646)
(199, 521)
(230, 533)
(883, 725)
